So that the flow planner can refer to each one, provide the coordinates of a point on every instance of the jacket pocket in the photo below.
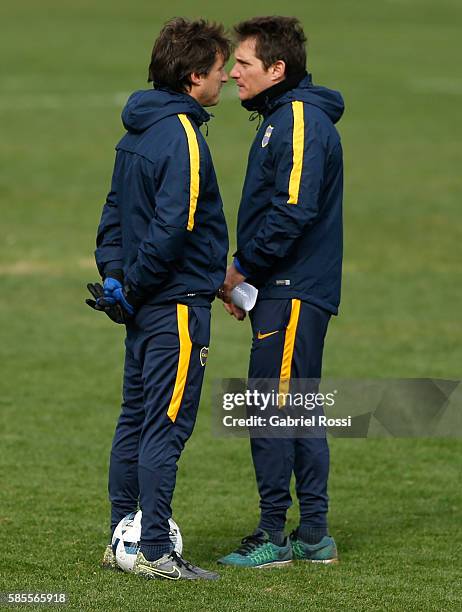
(214, 256)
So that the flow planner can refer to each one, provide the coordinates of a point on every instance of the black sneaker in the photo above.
(109, 560)
(171, 566)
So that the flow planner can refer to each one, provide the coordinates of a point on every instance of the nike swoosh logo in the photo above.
(260, 336)
(175, 574)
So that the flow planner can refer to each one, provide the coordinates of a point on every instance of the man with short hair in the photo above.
(289, 239)
(161, 250)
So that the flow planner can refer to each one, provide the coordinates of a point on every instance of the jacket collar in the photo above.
(195, 110)
(267, 99)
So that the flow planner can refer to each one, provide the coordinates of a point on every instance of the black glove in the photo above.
(114, 311)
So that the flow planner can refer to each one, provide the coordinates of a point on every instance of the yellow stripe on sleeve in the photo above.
(194, 162)
(183, 361)
(288, 353)
(298, 141)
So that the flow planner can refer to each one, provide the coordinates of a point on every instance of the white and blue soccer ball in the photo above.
(126, 540)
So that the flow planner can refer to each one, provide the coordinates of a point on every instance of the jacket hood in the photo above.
(146, 107)
(328, 100)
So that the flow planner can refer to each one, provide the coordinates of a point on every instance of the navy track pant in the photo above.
(288, 342)
(166, 350)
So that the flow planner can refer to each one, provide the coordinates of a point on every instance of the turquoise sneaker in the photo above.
(324, 551)
(257, 550)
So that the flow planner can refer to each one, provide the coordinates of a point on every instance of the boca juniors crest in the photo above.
(267, 136)
(203, 355)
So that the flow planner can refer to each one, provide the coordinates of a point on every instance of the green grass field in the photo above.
(66, 69)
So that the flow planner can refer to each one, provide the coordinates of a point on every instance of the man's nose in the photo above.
(234, 74)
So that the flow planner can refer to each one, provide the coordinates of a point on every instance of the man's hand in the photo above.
(113, 311)
(235, 311)
(233, 278)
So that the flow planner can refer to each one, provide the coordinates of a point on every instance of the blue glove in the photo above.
(114, 311)
(114, 294)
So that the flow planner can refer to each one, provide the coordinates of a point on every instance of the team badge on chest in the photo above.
(267, 136)
(203, 355)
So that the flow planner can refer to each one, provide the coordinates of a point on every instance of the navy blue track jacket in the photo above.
(289, 232)
(163, 221)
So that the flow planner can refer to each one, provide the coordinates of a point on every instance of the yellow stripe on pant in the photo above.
(183, 361)
(288, 352)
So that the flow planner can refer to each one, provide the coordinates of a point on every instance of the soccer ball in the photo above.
(126, 540)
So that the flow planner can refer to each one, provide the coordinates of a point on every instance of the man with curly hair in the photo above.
(161, 251)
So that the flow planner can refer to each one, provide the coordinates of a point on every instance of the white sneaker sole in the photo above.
(273, 564)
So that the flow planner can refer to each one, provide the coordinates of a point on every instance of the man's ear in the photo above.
(196, 79)
(278, 70)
